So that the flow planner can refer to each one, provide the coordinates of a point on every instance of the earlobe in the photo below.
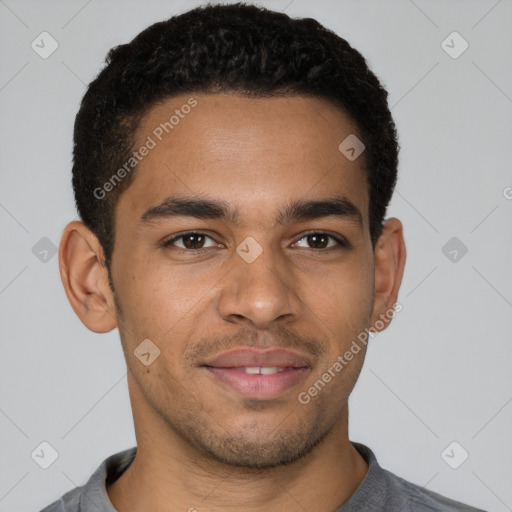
(85, 278)
(390, 256)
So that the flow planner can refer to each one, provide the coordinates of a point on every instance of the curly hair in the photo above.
(237, 48)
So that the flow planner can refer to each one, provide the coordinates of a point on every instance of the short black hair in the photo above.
(235, 48)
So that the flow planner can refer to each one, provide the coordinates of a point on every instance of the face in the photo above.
(242, 251)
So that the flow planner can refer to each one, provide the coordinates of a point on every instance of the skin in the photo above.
(200, 444)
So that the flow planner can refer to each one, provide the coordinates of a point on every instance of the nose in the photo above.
(261, 293)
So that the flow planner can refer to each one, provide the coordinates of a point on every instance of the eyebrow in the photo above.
(296, 211)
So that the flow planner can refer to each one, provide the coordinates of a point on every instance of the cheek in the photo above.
(159, 301)
(344, 296)
(343, 305)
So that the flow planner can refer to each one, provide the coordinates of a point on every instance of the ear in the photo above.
(389, 257)
(85, 278)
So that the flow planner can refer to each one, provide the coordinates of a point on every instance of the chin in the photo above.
(263, 451)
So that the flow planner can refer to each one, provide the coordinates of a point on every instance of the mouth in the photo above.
(259, 374)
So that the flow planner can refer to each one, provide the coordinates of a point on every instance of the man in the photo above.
(232, 169)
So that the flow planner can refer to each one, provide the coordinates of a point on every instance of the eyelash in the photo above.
(342, 243)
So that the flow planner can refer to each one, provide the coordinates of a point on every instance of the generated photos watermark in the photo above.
(137, 156)
(304, 397)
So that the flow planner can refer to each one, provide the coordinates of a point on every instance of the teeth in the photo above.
(263, 370)
(268, 370)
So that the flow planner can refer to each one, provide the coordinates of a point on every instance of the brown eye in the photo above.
(191, 241)
(319, 240)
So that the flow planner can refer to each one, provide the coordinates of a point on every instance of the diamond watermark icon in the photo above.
(44, 250)
(454, 250)
(454, 45)
(249, 249)
(351, 147)
(44, 45)
(146, 352)
(454, 455)
(44, 455)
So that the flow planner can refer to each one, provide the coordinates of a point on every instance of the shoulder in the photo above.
(382, 490)
(418, 499)
(69, 502)
(93, 495)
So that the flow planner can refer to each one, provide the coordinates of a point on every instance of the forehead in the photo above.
(257, 153)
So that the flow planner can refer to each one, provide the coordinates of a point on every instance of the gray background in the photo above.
(440, 373)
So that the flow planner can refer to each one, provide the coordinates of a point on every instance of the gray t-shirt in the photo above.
(380, 491)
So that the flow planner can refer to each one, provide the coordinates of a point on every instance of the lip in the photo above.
(250, 357)
(228, 369)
